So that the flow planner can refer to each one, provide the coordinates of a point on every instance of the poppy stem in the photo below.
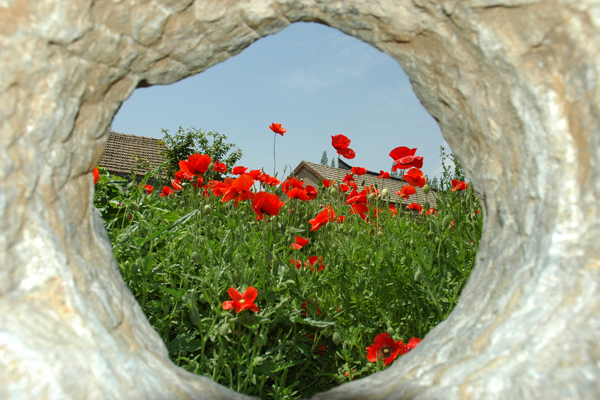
(274, 159)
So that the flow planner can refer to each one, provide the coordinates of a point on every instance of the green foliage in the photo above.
(184, 143)
(324, 159)
(398, 274)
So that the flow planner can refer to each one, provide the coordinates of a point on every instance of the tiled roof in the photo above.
(394, 184)
(121, 150)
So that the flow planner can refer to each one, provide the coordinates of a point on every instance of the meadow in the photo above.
(282, 291)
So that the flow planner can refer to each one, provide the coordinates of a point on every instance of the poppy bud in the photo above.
(379, 234)
(207, 209)
(417, 275)
(196, 258)
(269, 258)
(122, 238)
(202, 298)
(185, 184)
(227, 255)
(430, 234)
(211, 166)
(437, 239)
(194, 316)
(224, 329)
(135, 206)
(333, 192)
(426, 189)
(446, 222)
(403, 260)
(337, 338)
(371, 197)
(390, 331)
(127, 265)
(412, 242)
(237, 277)
(129, 216)
(385, 192)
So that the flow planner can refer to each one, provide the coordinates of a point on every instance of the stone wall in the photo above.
(514, 85)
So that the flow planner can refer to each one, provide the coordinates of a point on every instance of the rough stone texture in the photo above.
(514, 85)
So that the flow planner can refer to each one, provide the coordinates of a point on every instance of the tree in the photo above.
(333, 162)
(183, 143)
(394, 174)
(324, 159)
(447, 174)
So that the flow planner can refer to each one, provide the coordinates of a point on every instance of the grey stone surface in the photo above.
(514, 85)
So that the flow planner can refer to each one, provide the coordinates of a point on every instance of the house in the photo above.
(126, 152)
(313, 174)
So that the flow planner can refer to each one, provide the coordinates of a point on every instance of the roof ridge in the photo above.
(130, 135)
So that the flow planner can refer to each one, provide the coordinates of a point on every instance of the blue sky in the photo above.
(314, 80)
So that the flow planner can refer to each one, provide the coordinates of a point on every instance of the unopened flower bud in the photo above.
(333, 192)
(207, 209)
(379, 234)
(237, 277)
(390, 331)
(385, 192)
(371, 197)
(211, 166)
(194, 316)
(135, 206)
(337, 338)
(426, 189)
(196, 258)
(417, 275)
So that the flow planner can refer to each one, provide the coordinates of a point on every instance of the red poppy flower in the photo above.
(220, 167)
(360, 209)
(197, 184)
(277, 128)
(457, 185)
(341, 219)
(300, 243)
(327, 183)
(148, 189)
(266, 203)
(356, 197)
(176, 184)
(242, 301)
(348, 178)
(179, 175)
(406, 191)
(392, 208)
(296, 263)
(358, 171)
(416, 207)
(268, 179)
(311, 262)
(412, 343)
(384, 348)
(297, 193)
(167, 191)
(220, 188)
(239, 170)
(341, 143)
(195, 164)
(405, 158)
(414, 177)
(96, 173)
(384, 175)
(292, 182)
(239, 189)
(431, 211)
(311, 192)
(325, 216)
(255, 174)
